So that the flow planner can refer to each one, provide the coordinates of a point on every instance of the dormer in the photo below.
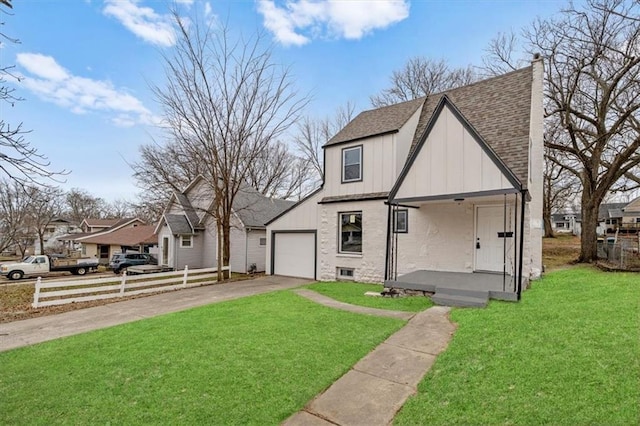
(366, 156)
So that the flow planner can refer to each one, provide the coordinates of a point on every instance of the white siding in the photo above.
(255, 252)
(404, 138)
(378, 167)
(189, 256)
(238, 255)
(302, 216)
(536, 156)
(451, 162)
(209, 244)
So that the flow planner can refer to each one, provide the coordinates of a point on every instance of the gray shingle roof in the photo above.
(178, 224)
(377, 121)
(188, 209)
(498, 109)
(610, 210)
(255, 210)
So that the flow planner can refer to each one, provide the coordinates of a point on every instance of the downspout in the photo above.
(520, 260)
(246, 250)
(504, 243)
(386, 256)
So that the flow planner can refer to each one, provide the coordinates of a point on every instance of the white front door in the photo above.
(494, 238)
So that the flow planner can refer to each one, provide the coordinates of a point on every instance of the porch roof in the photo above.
(491, 195)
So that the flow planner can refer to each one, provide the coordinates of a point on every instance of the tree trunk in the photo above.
(546, 217)
(226, 244)
(589, 238)
(220, 276)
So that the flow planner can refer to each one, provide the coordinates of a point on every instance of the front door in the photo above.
(494, 238)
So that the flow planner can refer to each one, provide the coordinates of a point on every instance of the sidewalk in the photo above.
(35, 330)
(373, 391)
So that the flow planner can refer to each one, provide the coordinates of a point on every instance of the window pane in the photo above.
(352, 172)
(352, 156)
(351, 232)
(401, 221)
(352, 164)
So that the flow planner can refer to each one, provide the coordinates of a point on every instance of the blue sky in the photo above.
(88, 65)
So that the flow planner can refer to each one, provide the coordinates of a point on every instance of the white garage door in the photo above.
(294, 254)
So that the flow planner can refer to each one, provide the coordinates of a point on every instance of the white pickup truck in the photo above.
(41, 265)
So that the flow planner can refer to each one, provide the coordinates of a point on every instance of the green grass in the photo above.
(255, 360)
(568, 353)
(353, 293)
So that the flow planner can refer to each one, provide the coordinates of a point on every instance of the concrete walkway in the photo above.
(373, 391)
(35, 330)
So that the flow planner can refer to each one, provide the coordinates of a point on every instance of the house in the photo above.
(129, 234)
(566, 223)
(57, 228)
(631, 217)
(435, 194)
(89, 226)
(187, 235)
(610, 217)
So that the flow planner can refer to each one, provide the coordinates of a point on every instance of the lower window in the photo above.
(345, 273)
(350, 230)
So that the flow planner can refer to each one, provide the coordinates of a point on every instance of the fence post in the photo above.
(36, 294)
(186, 276)
(123, 283)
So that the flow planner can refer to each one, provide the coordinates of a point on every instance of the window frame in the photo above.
(262, 242)
(182, 241)
(342, 168)
(340, 249)
(406, 221)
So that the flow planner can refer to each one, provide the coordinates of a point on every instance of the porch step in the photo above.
(458, 297)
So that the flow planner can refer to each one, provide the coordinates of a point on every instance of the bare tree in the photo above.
(559, 189)
(45, 204)
(312, 134)
(13, 212)
(18, 159)
(593, 90)
(277, 173)
(224, 102)
(81, 205)
(421, 76)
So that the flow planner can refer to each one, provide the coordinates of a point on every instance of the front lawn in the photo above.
(353, 293)
(568, 353)
(255, 360)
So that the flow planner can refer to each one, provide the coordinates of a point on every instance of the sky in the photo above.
(87, 67)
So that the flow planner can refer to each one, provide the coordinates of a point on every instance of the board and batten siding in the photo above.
(304, 216)
(451, 161)
(404, 138)
(378, 167)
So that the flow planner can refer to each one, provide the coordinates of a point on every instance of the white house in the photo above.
(440, 192)
(187, 235)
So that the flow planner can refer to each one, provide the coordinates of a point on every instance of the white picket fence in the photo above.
(61, 292)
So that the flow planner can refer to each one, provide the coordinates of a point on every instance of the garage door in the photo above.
(295, 254)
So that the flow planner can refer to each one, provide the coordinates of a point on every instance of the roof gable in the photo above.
(451, 158)
(499, 110)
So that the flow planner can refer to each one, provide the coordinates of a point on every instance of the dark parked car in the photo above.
(121, 261)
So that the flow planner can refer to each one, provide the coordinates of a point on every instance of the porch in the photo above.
(459, 288)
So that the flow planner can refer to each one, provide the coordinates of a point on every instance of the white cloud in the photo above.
(53, 83)
(144, 22)
(335, 18)
(207, 9)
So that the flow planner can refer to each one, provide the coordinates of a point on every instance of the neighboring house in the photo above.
(440, 192)
(610, 217)
(187, 235)
(124, 235)
(94, 225)
(57, 228)
(631, 217)
(566, 223)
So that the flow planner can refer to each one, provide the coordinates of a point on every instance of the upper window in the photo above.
(401, 221)
(350, 232)
(186, 241)
(352, 164)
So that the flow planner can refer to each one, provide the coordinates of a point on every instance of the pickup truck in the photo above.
(41, 265)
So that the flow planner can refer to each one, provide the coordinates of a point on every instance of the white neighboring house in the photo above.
(445, 190)
(187, 234)
(566, 223)
(58, 227)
